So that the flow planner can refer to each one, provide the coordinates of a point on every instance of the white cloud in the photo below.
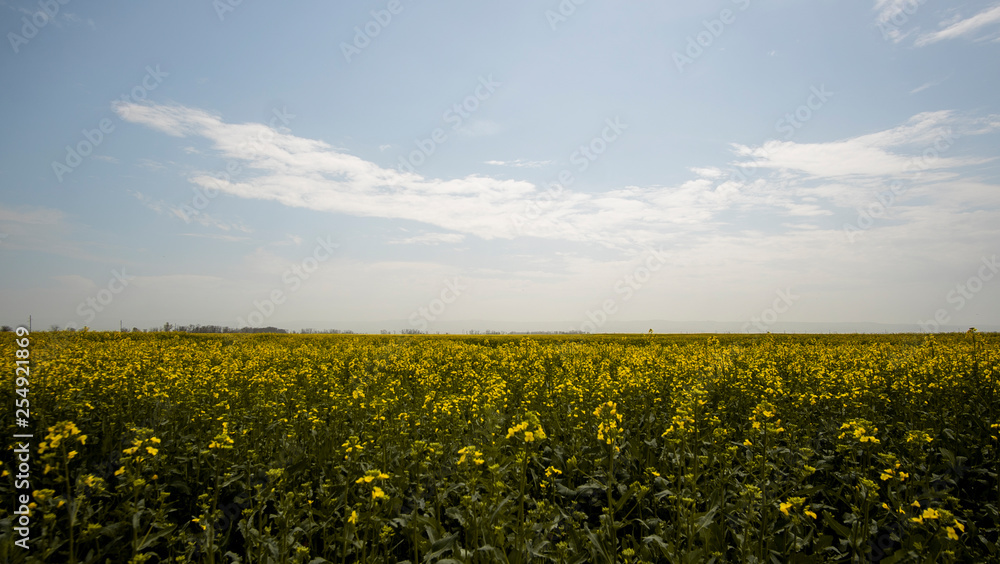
(707, 172)
(963, 28)
(520, 163)
(796, 180)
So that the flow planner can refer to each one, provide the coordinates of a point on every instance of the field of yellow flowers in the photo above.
(170, 447)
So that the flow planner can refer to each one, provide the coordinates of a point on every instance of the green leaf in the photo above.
(843, 531)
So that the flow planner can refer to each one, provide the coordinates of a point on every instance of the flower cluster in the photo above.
(795, 503)
(530, 429)
(470, 453)
(608, 428)
(222, 440)
(860, 430)
(370, 477)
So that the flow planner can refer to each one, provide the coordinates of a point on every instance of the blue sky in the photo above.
(424, 164)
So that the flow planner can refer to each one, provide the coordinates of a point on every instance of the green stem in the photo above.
(612, 529)
(763, 495)
(520, 503)
(72, 509)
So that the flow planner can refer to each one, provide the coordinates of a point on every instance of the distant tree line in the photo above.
(166, 327)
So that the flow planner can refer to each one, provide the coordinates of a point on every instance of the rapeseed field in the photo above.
(171, 447)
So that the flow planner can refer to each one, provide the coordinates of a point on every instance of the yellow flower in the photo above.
(152, 450)
(377, 492)
(810, 513)
(951, 533)
(747, 443)
(353, 518)
(785, 506)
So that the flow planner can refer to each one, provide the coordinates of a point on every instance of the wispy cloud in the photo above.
(151, 164)
(925, 86)
(188, 216)
(878, 154)
(32, 216)
(219, 236)
(76, 19)
(968, 27)
(431, 239)
(520, 163)
(46, 230)
(480, 128)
